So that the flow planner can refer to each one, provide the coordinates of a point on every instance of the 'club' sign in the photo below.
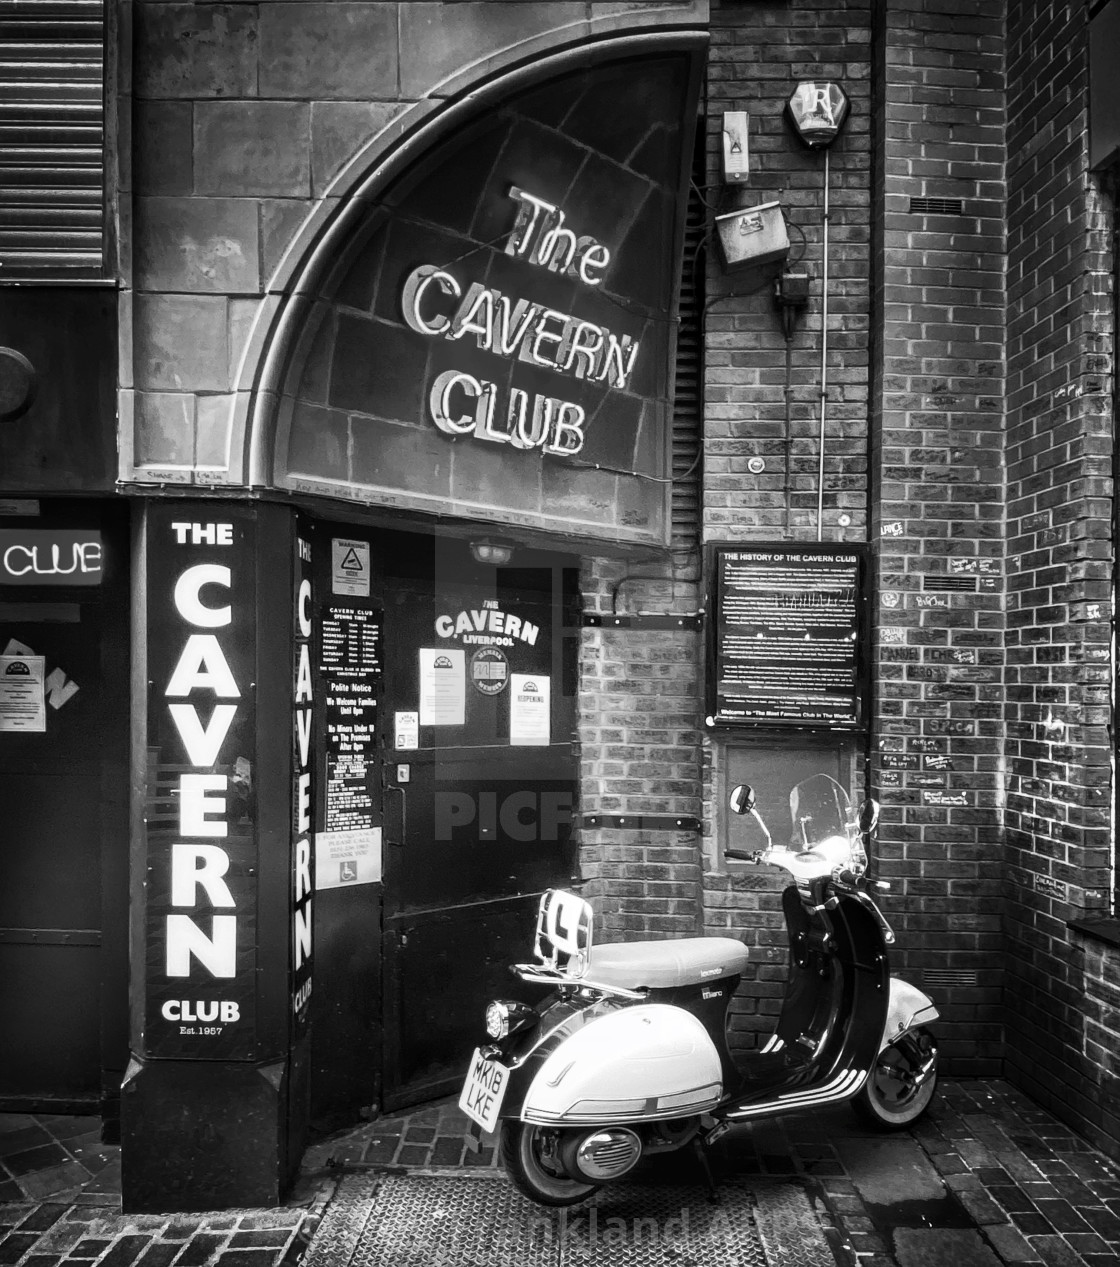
(38, 556)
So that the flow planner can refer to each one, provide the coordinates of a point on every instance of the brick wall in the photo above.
(1063, 1041)
(938, 518)
(640, 700)
(759, 52)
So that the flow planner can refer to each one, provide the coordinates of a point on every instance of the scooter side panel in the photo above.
(526, 1051)
(710, 1003)
(641, 1063)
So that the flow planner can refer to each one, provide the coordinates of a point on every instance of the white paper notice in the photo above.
(406, 730)
(350, 567)
(443, 687)
(23, 704)
(343, 858)
(529, 708)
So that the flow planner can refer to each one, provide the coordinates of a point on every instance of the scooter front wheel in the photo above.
(902, 1084)
(531, 1156)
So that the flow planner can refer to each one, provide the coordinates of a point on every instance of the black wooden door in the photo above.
(479, 791)
(64, 816)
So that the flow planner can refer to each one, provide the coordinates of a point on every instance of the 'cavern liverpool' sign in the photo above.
(496, 339)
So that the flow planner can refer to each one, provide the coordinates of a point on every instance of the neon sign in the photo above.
(462, 404)
(41, 557)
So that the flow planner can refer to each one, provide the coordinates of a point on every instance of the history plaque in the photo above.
(788, 639)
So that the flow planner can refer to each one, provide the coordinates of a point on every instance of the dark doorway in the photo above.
(479, 784)
(445, 699)
(64, 788)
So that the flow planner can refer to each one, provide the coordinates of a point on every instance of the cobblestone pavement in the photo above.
(60, 1202)
(986, 1179)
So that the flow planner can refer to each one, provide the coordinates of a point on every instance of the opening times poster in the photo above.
(788, 638)
(348, 848)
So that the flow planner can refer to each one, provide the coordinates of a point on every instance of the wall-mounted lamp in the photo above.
(495, 553)
(818, 111)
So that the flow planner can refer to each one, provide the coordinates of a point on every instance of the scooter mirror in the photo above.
(868, 816)
(742, 799)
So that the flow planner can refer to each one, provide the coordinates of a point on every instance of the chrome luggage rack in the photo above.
(539, 974)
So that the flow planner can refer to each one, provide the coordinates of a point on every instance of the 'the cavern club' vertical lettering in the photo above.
(302, 884)
(203, 699)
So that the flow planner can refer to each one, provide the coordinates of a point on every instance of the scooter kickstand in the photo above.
(701, 1151)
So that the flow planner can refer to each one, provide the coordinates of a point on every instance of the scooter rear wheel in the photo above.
(893, 1098)
(531, 1156)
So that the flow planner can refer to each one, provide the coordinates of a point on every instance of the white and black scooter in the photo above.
(627, 1056)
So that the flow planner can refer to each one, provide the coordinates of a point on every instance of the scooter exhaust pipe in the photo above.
(604, 1154)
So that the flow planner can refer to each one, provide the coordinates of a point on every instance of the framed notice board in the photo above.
(788, 637)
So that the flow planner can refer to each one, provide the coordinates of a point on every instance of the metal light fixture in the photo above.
(818, 111)
(494, 552)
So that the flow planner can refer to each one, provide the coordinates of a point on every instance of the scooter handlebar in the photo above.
(737, 855)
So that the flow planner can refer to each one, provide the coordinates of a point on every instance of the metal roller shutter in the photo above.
(52, 165)
(688, 381)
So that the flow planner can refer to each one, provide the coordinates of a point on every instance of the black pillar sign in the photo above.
(788, 637)
(214, 1104)
(201, 890)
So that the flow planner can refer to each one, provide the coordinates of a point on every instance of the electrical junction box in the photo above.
(736, 154)
(792, 290)
(753, 235)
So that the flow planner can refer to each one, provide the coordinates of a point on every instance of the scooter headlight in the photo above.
(504, 1017)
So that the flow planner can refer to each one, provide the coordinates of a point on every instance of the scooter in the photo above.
(627, 1055)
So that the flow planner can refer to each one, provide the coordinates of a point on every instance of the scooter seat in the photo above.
(659, 965)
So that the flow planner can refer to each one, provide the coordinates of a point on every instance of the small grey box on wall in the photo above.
(753, 235)
(736, 148)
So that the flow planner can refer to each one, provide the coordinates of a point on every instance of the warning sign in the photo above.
(350, 567)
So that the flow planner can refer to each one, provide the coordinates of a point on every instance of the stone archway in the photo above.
(326, 233)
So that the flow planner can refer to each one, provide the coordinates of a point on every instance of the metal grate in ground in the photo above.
(414, 1220)
(788, 1228)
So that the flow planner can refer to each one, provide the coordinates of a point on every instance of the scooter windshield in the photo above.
(825, 835)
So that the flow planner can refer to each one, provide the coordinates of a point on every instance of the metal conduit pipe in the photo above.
(824, 359)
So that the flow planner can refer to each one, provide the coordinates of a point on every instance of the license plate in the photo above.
(484, 1090)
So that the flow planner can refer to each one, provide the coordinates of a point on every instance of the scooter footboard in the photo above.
(908, 1009)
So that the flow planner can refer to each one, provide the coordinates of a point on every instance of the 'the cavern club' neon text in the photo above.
(462, 404)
